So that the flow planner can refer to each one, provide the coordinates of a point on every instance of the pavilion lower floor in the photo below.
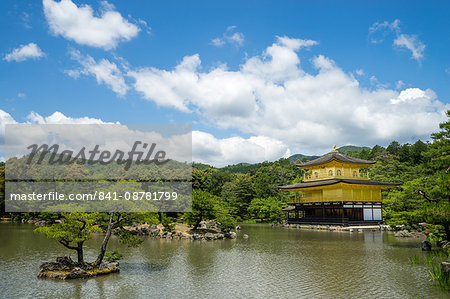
(335, 213)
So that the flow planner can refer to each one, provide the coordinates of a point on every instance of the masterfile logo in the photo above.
(114, 167)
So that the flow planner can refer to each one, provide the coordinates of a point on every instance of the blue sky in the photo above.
(258, 80)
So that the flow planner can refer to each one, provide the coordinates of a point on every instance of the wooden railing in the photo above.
(339, 220)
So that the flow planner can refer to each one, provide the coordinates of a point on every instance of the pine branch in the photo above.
(424, 195)
(66, 244)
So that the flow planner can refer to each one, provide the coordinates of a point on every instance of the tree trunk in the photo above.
(447, 231)
(198, 222)
(105, 240)
(79, 249)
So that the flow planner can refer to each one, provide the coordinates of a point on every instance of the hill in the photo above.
(346, 149)
(246, 167)
(301, 157)
(352, 148)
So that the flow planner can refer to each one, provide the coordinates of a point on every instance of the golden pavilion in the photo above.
(336, 191)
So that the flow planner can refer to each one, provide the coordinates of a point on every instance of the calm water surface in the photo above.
(272, 263)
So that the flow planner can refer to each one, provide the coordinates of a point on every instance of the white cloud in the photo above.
(410, 42)
(80, 24)
(359, 72)
(399, 84)
(24, 52)
(174, 139)
(375, 82)
(222, 152)
(205, 147)
(379, 31)
(5, 119)
(273, 96)
(218, 42)
(230, 36)
(59, 118)
(25, 18)
(104, 71)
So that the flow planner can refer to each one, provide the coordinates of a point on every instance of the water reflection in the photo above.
(273, 262)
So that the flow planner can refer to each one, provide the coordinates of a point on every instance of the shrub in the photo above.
(112, 257)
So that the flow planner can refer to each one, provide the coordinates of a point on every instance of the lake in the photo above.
(271, 263)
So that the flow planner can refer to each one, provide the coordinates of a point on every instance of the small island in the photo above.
(65, 268)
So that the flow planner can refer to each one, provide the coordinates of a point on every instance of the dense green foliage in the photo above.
(423, 168)
(253, 195)
(73, 231)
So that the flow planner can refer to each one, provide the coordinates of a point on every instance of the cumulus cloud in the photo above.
(272, 95)
(5, 119)
(59, 118)
(71, 133)
(80, 24)
(222, 152)
(24, 52)
(205, 147)
(230, 36)
(379, 31)
(104, 71)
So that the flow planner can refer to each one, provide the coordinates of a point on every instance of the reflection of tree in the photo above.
(201, 257)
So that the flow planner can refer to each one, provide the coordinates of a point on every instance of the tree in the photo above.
(271, 175)
(416, 152)
(239, 192)
(376, 151)
(439, 150)
(394, 148)
(203, 207)
(73, 231)
(404, 154)
(215, 180)
(199, 178)
(425, 195)
(269, 209)
(115, 223)
(76, 228)
(111, 224)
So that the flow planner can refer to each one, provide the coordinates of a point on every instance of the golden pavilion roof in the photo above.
(336, 181)
(337, 156)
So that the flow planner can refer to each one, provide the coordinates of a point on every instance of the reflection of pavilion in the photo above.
(336, 192)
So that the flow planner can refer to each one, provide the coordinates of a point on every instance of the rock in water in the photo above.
(426, 246)
(230, 235)
(196, 236)
(245, 236)
(66, 268)
(77, 273)
(63, 263)
(209, 236)
(403, 234)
